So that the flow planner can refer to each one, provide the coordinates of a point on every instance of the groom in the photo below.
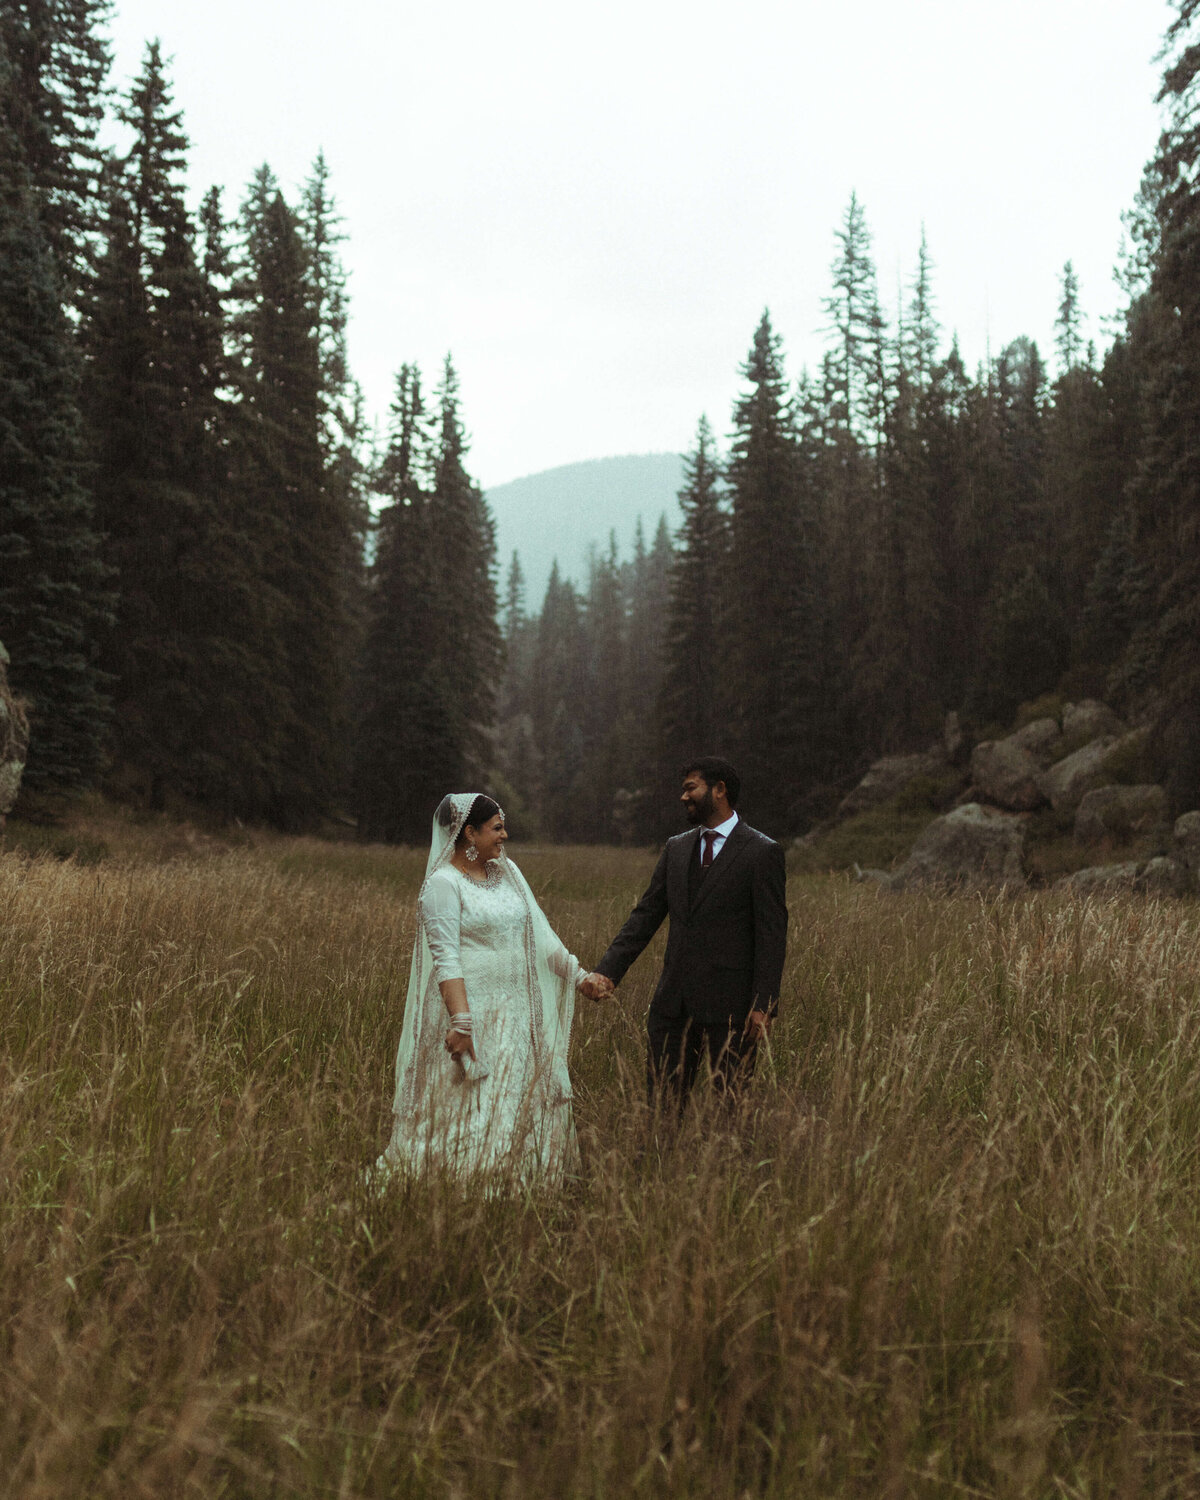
(722, 885)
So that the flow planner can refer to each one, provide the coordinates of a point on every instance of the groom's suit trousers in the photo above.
(678, 1049)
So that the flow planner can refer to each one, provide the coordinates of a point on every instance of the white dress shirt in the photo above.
(721, 832)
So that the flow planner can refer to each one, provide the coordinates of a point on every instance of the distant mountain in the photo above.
(562, 513)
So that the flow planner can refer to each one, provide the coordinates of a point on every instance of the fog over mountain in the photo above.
(562, 513)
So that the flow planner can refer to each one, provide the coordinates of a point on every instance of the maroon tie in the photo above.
(710, 838)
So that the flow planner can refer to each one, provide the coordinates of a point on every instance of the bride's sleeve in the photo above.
(558, 956)
(441, 911)
(564, 963)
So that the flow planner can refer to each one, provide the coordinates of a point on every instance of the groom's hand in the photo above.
(596, 986)
(758, 1024)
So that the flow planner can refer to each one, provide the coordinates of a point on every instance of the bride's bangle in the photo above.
(462, 1022)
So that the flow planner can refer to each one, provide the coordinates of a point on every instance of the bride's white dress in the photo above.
(513, 1112)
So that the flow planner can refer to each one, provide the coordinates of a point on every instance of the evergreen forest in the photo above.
(224, 590)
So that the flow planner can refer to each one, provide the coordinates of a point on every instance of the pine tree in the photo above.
(1068, 326)
(1087, 426)
(154, 339)
(57, 66)
(343, 425)
(845, 457)
(514, 602)
(691, 719)
(897, 663)
(1021, 393)
(402, 720)
(1025, 592)
(949, 423)
(518, 763)
(433, 651)
(278, 470)
(1166, 493)
(1108, 617)
(608, 729)
(343, 421)
(1107, 566)
(54, 589)
(559, 682)
(921, 333)
(856, 321)
(135, 412)
(325, 279)
(465, 553)
(221, 761)
(648, 595)
(774, 658)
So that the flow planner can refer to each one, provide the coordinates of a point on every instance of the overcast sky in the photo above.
(589, 205)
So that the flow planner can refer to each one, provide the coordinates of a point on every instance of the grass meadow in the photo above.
(950, 1247)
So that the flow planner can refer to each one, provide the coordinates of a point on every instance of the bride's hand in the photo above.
(459, 1044)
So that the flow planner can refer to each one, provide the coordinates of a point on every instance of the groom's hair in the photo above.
(714, 769)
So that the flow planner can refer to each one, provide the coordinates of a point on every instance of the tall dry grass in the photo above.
(950, 1247)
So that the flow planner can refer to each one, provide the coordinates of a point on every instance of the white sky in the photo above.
(589, 205)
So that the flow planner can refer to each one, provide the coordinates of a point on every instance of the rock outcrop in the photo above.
(1066, 784)
(1164, 876)
(14, 741)
(1088, 720)
(1118, 812)
(1041, 738)
(1161, 876)
(1187, 840)
(887, 777)
(1083, 767)
(971, 846)
(1005, 773)
(954, 741)
(1104, 880)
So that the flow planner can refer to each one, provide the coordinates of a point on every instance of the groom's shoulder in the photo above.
(762, 841)
(677, 840)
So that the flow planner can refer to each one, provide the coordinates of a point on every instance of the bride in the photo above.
(481, 1071)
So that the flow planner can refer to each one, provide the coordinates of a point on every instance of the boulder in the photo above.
(887, 777)
(1104, 880)
(1088, 720)
(953, 739)
(1007, 774)
(14, 741)
(1165, 877)
(971, 846)
(1041, 738)
(1117, 812)
(1065, 785)
(1187, 840)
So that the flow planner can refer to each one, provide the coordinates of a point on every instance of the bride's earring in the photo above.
(472, 853)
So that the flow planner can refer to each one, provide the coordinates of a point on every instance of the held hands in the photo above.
(758, 1024)
(596, 986)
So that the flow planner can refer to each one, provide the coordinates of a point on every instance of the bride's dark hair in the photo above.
(483, 810)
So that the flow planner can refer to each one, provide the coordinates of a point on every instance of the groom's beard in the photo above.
(699, 812)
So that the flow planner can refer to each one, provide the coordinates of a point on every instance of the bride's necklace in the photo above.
(491, 873)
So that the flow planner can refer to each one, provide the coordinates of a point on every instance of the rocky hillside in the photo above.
(1063, 799)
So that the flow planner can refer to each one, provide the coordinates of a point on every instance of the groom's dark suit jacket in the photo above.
(728, 930)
